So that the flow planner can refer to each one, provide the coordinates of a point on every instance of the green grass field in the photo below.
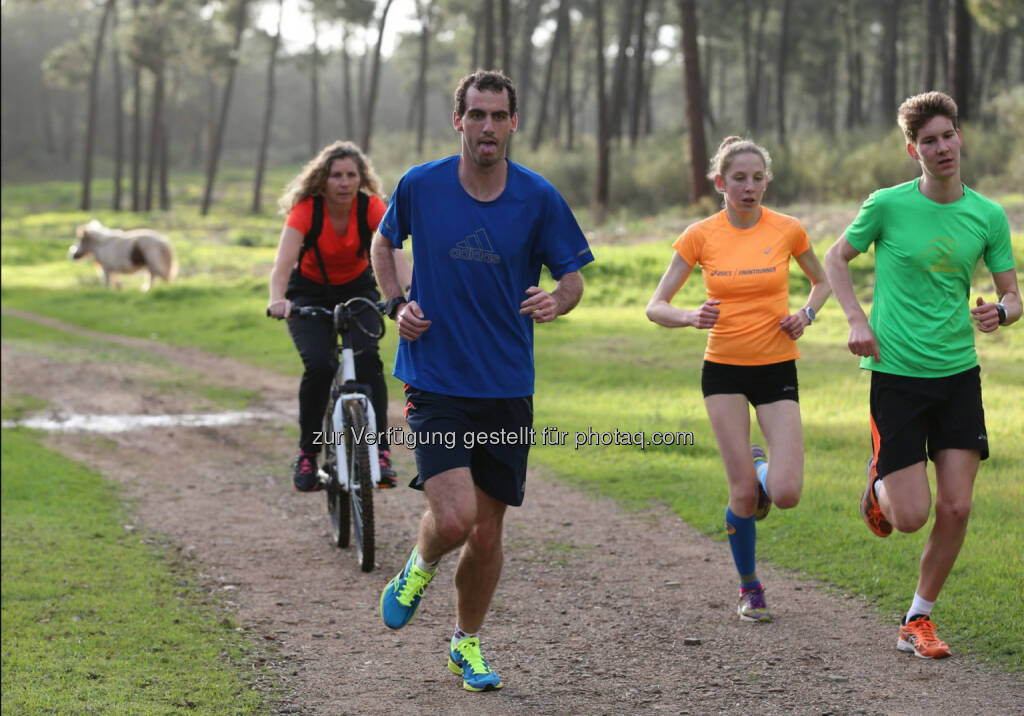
(603, 367)
(97, 617)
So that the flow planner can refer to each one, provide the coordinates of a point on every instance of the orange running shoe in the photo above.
(869, 508)
(917, 636)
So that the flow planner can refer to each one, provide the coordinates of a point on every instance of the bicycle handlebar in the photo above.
(343, 310)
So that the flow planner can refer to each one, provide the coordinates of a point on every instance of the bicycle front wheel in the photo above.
(361, 482)
(337, 498)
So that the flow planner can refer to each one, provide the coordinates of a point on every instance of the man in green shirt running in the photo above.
(925, 402)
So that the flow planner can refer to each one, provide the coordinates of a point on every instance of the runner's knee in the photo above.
(953, 510)
(910, 519)
(454, 526)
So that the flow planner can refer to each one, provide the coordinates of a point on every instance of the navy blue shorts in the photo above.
(759, 383)
(914, 418)
(490, 436)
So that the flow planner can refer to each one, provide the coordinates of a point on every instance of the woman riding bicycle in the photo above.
(340, 188)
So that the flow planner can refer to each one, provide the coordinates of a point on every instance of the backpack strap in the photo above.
(313, 237)
(365, 233)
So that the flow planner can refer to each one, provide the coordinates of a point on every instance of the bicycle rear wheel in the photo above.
(337, 498)
(361, 481)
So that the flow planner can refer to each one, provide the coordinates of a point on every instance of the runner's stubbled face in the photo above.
(486, 126)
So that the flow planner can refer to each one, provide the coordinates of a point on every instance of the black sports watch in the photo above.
(1001, 310)
(392, 306)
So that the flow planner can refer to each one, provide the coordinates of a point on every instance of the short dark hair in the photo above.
(489, 80)
(917, 111)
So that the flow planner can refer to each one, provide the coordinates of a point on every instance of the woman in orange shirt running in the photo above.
(744, 253)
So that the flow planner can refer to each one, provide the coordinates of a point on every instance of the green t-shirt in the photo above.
(925, 253)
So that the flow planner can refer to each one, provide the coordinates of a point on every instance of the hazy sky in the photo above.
(296, 28)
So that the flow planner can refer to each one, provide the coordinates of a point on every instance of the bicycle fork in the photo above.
(348, 375)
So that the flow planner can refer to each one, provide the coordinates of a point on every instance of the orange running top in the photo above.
(748, 271)
(340, 253)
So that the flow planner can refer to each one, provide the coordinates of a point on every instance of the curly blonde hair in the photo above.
(733, 146)
(312, 180)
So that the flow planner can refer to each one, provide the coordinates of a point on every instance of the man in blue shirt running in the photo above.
(482, 227)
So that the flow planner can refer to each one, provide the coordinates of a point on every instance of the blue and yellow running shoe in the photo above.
(401, 597)
(465, 659)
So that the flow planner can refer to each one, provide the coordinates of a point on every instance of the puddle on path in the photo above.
(123, 423)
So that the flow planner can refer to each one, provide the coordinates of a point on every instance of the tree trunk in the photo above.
(827, 98)
(210, 116)
(155, 140)
(753, 116)
(525, 72)
(1001, 64)
(425, 12)
(707, 67)
(618, 96)
(983, 76)
(136, 127)
(570, 100)
(90, 125)
(268, 115)
(890, 61)
(361, 83)
(933, 26)
(371, 100)
(346, 83)
(506, 36)
(487, 8)
(694, 99)
(780, 102)
(478, 22)
(601, 180)
(960, 56)
(211, 171)
(314, 91)
(118, 116)
(854, 68)
(639, 57)
(165, 154)
(653, 45)
(563, 18)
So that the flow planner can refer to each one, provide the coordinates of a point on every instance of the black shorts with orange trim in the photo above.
(914, 418)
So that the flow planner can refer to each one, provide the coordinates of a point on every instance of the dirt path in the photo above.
(594, 613)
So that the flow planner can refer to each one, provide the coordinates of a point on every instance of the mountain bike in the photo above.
(350, 470)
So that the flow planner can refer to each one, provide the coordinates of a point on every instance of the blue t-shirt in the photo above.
(472, 263)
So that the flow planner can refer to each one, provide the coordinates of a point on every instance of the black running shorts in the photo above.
(914, 418)
(490, 436)
(759, 383)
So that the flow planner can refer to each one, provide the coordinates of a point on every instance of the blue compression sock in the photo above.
(742, 542)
